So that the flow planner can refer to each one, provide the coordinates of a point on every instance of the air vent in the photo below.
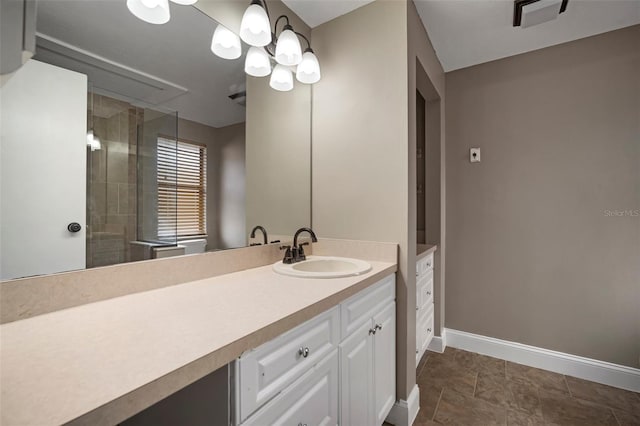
(239, 97)
(107, 75)
(527, 13)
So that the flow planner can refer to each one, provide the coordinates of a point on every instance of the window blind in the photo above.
(181, 188)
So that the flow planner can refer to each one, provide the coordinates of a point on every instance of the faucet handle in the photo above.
(301, 255)
(288, 255)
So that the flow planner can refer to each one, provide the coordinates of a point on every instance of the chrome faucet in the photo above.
(264, 234)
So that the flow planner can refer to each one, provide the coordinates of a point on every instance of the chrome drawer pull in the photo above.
(304, 352)
(302, 424)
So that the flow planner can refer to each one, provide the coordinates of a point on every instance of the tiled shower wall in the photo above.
(111, 183)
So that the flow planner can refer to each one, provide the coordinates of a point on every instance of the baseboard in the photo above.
(437, 344)
(404, 413)
(606, 373)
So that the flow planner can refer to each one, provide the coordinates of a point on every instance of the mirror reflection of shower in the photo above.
(122, 189)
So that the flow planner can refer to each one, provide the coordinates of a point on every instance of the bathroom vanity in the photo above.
(310, 349)
(337, 368)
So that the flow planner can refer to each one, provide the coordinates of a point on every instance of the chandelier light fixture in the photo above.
(257, 63)
(270, 53)
(154, 11)
(225, 43)
(255, 28)
(282, 49)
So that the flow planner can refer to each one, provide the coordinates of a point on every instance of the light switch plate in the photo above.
(474, 155)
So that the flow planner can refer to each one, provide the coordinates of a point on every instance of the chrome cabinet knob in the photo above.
(372, 331)
(428, 293)
(378, 327)
(428, 330)
(302, 424)
(303, 351)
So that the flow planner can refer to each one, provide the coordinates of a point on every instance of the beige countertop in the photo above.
(425, 249)
(102, 362)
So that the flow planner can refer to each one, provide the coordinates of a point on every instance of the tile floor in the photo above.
(464, 388)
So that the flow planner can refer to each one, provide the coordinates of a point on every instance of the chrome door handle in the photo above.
(304, 352)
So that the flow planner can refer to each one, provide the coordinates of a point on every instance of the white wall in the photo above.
(42, 165)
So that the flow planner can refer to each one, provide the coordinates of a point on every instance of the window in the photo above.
(182, 185)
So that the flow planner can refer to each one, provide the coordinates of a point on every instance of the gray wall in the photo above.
(278, 150)
(225, 180)
(533, 255)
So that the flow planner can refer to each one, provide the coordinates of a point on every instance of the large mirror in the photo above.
(125, 141)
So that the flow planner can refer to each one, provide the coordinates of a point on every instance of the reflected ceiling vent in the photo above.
(527, 13)
(238, 94)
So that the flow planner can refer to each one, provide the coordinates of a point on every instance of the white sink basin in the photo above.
(323, 267)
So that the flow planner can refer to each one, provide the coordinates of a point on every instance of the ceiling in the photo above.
(163, 65)
(317, 12)
(471, 32)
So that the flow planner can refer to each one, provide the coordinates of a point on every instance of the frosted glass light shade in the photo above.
(225, 43)
(185, 2)
(151, 11)
(308, 71)
(281, 78)
(255, 28)
(257, 62)
(288, 51)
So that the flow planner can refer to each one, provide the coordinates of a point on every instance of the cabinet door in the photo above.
(384, 361)
(356, 379)
(267, 370)
(311, 401)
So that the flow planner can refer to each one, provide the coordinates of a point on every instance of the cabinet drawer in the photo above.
(425, 264)
(429, 328)
(424, 328)
(360, 307)
(265, 371)
(424, 291)
(312, 400)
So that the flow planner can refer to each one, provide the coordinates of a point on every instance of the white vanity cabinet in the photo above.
(424, 304)
(268, 370)
(311, 400)
(367, 355)
(337, 368)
